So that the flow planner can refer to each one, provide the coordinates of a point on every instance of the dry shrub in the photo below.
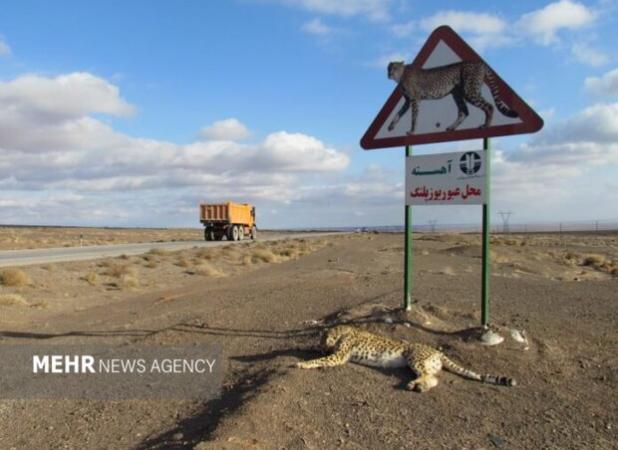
(288, 253)
(205, 253)
(511, 241)
(42, 304)
(119, 270)
(183, 262)
(498, 259)
(49, 267)
(571, 256)
(448, 270)
(12, 300)
(129, 281)
(208, 270)
(593, 259)
(92, 278)
(151, 264)
(233, 257)
(123, 256)
(159, 252)
(14, 277)
(263, 255)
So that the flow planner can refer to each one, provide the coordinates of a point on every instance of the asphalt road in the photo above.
(14, 258)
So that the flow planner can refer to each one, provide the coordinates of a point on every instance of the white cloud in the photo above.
(543, 24)
(316, 27)
(66, 96)
(588, 55)
(299, 152)
(5, 50)
(382, 61)
(484, 30)
(61, 148)
(225, 130)
(404, 29)
(373, 9)
(590, 138)
(478, 23)
(550, 177)
(605, 85)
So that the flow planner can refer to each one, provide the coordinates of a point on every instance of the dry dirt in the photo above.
(264, 304)
(21, 238)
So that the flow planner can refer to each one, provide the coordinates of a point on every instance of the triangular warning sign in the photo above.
(455, 94)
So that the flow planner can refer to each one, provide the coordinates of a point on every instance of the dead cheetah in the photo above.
(354, 344)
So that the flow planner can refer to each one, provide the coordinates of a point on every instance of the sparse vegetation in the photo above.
(41, 304)
(205, 253)
(498, 258)
(263, 255)
(593, 259)
(119, 270)
(289, 253)
(159, 252)
(208, 270)
(128, 281)
(448, 270)
(14, 278)
(36, 237)
(92, 278)
(12, 300)
(183, 262)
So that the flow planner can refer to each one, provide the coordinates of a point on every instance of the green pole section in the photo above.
(486, 225)
(407, 263)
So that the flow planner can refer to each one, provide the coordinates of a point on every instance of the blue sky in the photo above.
(130, 113)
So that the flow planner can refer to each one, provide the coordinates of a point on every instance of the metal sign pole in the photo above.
(486, 252)
(407, 264)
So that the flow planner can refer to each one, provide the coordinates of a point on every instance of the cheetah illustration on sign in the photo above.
(463, 81)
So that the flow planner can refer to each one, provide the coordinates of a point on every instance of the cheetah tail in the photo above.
(490, 79)
(455, 368)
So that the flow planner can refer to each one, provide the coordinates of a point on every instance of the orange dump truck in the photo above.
(233, 220)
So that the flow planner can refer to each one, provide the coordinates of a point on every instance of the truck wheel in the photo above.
(209, 235)
(234, 233)
(241, 232)
(254, 232)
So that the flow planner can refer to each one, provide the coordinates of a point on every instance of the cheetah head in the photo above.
(395, 70)
(332, 336)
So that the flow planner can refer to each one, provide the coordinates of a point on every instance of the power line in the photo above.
(432, 225)
(506, 216)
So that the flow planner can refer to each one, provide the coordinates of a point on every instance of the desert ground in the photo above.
(266, 303)
(21, 238)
